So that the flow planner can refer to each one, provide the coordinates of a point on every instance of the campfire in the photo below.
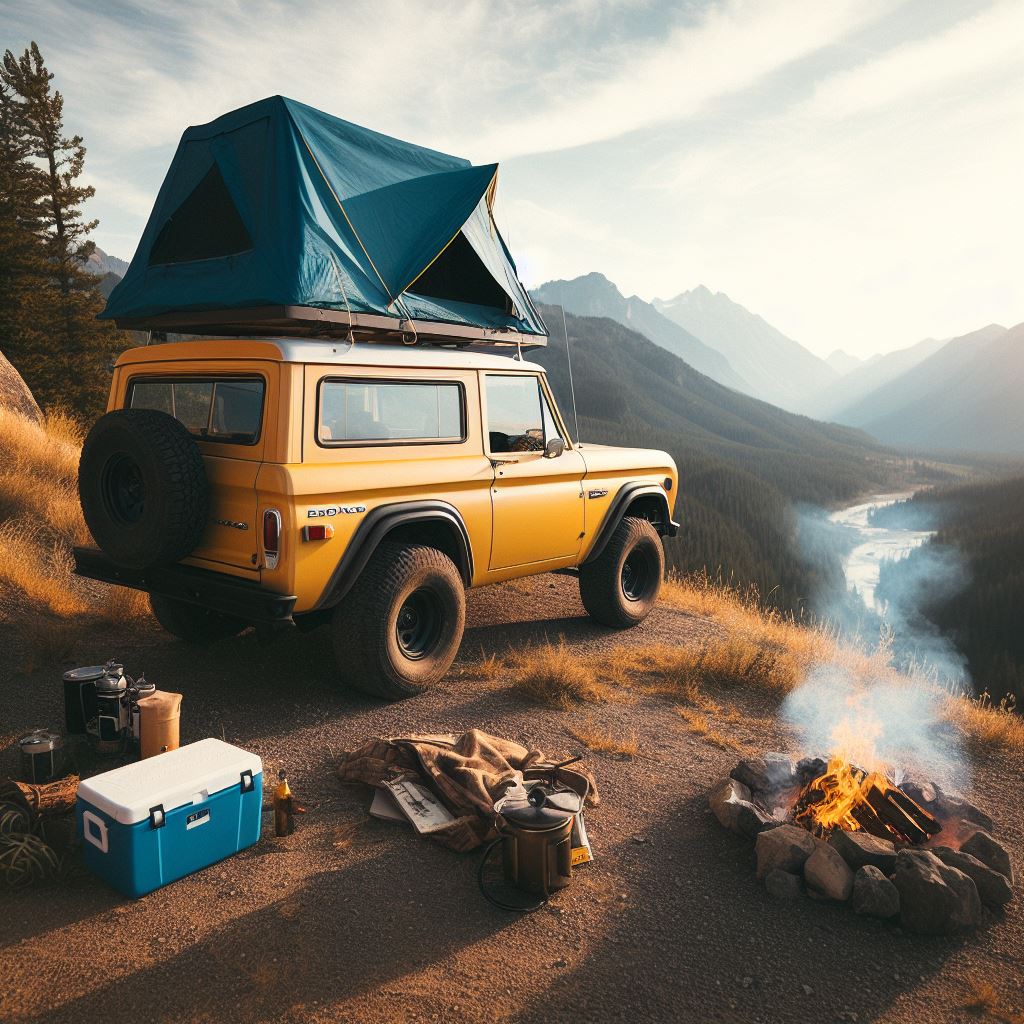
(901, 850)
(851, 799)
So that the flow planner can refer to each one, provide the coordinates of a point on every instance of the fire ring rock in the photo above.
(993, 888)
(873, 894)
(786, 848)
(828, 874)
(783, 885)
(764, 774)
(860, 848)
(934, 899)
(731, 804)
(982, 846)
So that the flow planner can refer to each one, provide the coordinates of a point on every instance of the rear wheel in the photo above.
(399, 627)
(620, 587)
(192, 623)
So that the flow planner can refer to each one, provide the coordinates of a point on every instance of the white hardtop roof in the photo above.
(304, 350)
(189, 774)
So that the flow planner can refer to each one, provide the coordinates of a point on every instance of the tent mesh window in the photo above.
(206, 226)
(459, 275)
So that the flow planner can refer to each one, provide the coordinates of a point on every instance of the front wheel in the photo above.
(621, 585)
(192, 623)
(399, 628)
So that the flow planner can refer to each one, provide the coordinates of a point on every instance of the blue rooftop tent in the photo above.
(280, 219)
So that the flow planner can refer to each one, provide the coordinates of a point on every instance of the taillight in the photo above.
(271, 537)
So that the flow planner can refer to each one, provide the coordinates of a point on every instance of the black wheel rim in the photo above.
(419, 622)
(124, 490)
(637, 573)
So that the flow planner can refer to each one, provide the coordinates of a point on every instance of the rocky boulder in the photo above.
(982, 846)
(764, 774)
(786, 848)
(859, 849)
(783, 885)
(950, 808)
(873, 894)
(935, 899)
(731, 804)
(14, 392)
(993, 888)
(827, 874)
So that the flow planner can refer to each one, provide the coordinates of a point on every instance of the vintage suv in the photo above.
(361, 486)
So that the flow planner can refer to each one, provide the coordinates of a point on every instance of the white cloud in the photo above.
(730, 49)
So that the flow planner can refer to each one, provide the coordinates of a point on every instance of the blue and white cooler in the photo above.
(149, 823)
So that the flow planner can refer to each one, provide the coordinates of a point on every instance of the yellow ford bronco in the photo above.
(360, 486)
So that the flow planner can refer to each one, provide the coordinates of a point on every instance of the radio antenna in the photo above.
(572, 389)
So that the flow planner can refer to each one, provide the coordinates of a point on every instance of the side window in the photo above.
(227, 410)
(389, 411)
(519, 418)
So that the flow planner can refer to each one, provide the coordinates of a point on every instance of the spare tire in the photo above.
(143, 488)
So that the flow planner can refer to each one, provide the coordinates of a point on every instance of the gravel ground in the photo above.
(353, 919)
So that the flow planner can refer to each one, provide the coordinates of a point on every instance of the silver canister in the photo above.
(42, 757)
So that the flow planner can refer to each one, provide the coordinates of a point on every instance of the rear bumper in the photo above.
(242, 599)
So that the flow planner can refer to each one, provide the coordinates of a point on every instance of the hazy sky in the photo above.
(849, 169)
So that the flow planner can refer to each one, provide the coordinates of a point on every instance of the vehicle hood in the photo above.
(605, 457)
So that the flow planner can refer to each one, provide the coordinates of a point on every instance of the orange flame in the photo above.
(845, 789)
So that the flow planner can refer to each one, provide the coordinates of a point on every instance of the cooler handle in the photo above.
(248, 782)
(99, 838)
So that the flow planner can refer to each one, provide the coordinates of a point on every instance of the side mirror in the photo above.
(554, 448)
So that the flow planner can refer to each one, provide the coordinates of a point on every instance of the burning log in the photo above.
(888, 811)
(849, 798)
(915, 811)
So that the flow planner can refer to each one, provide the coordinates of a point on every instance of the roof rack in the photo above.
(313, 322)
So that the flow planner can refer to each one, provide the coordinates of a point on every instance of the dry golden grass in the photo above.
(986, 726)
(40, 521)
(984, 1001)
(700, 725)
(553, 675)
(775, 651)
(601, 741)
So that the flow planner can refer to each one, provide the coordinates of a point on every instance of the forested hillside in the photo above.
(743, 463)
(984, 522)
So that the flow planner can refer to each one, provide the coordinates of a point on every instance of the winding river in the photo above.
(873, 545)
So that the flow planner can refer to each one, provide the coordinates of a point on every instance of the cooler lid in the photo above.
(174, 779)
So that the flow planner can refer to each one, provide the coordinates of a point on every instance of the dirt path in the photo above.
(352, 919)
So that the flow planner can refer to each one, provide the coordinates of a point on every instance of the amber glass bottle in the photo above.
(284, 819)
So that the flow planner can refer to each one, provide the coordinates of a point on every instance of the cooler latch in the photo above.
(248, 783)
(157, 818)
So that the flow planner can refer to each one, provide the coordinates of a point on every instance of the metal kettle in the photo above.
(535, 829)
(536, 847)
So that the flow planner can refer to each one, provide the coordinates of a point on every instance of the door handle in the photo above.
(495, 463)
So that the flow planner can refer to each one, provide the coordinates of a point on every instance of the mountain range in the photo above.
(776, 368)
(594, 295)
(965, 396)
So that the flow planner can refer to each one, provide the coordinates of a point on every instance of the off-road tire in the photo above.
(191, 623)
(143, 488)
(621, 585)
(370, 651)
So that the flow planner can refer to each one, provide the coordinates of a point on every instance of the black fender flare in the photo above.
(625, 497)
(381, 521)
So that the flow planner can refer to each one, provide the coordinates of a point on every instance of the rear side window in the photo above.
(228, 410)
(390, 412)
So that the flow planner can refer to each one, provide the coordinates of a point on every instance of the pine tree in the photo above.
(27, 295)
(73, 368)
